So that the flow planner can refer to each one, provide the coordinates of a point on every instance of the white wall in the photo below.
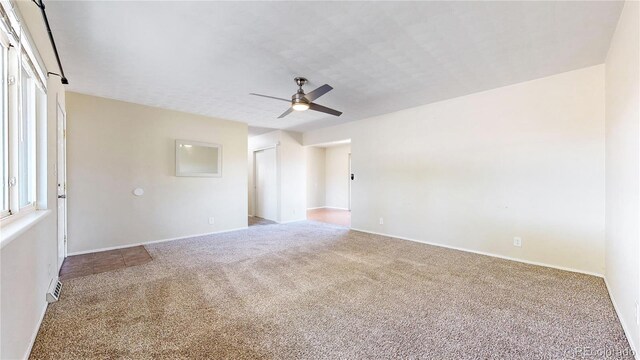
(473, 172)
(315, 176)
(29, 262)
(115, 147)
(623, 168)
(292, 183)
(337, 177)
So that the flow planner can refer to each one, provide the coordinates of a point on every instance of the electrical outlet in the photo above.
(381, 221)
(212, 220)
(517, 241)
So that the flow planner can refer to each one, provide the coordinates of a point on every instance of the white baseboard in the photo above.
(336, 208)
(153, 242)
(625, 327)
(35, 332)
(328, 207)
(485, 253)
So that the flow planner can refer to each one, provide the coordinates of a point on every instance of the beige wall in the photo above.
(337, 176)
(29, 263)
(474, 172)
(291, 164)
(315, 176)
(293, 181)
(623, 168)
(115, 147)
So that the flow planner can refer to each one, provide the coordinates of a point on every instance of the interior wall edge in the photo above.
(35, 331)
(625, 326)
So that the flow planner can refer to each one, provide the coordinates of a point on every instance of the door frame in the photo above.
(349, 180)
(255, 198)
(60, 110)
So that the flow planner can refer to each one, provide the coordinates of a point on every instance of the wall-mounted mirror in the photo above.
(195, 158)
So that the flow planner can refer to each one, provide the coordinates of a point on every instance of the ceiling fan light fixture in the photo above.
(301, 101)
(300, 106)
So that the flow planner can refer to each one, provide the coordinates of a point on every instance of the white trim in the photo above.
(35, 332)
(154, 241)
(60, 110)
(16, 21)
(625, 328)
(349, 179)
(20, 225)
(266, 147)
(254, 198)
(328, 207)
(485, 253)
(330, 143)
(19, 214)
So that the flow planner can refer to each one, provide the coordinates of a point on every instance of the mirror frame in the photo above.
(198, 143)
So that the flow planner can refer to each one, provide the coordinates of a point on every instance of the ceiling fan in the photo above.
(301, 101)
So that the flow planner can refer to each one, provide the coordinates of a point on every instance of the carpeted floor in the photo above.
(312, 290)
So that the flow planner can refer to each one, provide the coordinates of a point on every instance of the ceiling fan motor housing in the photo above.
(299, 98)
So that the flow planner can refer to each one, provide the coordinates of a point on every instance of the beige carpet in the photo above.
(310, 290)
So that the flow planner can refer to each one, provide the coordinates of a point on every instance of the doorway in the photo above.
(265, 182)
(61, 166)
(350, 178)
(329, 183)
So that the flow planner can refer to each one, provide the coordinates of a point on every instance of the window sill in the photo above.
(19, 226)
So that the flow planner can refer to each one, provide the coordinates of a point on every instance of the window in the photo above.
(22, 112)
(4, 135)
(27, 142)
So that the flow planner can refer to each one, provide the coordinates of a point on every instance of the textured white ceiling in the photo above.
(205, 57)
(256, 130)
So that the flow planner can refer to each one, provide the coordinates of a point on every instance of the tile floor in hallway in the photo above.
(254, 221)
(94, 263)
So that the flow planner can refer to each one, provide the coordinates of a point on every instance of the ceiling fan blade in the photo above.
(289, 110)
(318, 92)
(324, 109)
(271, 97)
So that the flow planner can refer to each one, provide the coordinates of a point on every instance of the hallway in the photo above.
(331, 216)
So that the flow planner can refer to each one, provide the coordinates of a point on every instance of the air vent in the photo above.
(54, 291)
